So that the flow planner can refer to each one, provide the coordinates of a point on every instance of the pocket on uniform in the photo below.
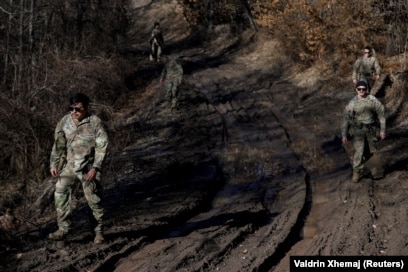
(90, 191)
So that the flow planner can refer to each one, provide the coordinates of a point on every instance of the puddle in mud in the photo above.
(243, 166)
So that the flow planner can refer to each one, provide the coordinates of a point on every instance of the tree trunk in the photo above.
(19, 58)
(6, 53)
(210, 7)
(247, 6)
(31, 43)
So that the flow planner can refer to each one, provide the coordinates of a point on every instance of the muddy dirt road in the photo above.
(247, 171)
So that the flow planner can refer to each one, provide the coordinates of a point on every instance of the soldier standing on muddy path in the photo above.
(81, 141)
(360, 120)
(172, 76)
(366, 68)
(156, 43)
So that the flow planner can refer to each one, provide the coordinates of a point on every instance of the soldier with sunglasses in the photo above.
(366, 68)
(360, 120)
(81, 141)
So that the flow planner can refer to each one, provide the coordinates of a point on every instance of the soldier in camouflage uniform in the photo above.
(80, 146)
(156, 43)
(361, 115)
(365, 68)
(172, 76)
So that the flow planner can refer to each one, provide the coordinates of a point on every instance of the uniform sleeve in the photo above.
(101, 144)
(356, 66)
(151, 38)
(59, 146)
(380, 110)
(180, 73)
(345, 121)
(377, 67)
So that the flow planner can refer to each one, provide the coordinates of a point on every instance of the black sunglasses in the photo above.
(76, 109)
(361, 89)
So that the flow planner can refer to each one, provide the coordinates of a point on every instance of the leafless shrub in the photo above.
(396, 98)
(48, 51)
(210, 13)
(23, 143)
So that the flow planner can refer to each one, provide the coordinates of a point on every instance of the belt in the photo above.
(359, 125)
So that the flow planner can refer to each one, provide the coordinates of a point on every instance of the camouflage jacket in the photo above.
(365, 67)
(364, 112)
(172, 71)
(83, 145)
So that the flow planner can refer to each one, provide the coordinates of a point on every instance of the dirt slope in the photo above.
(247, 171)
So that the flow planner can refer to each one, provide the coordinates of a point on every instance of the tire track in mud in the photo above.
(348, 218)
(265, 190)
(340, 225)
(252, 221)
(238, 113)
(251, 109)
(272, 204)
(360, 220)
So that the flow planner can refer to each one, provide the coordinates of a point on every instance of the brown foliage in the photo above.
(332, 30)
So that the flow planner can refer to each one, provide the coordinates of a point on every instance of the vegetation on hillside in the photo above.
(51, 49)
(313, 30)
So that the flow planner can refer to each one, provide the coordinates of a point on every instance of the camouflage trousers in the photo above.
(365, 150)
(171, 91)
(63, 198)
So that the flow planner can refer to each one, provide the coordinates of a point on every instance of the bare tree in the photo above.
(247, 6)
(396, 18)
(210, 14)
(7, 42)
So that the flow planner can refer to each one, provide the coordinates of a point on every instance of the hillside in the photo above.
(247, 171)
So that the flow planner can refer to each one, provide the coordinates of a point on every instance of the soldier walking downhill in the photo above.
(360, 120)
(366, 68)
(156, 43)
(172, 76)
(81, 139)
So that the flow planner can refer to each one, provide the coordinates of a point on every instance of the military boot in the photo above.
(356, 175)
(99, 239)
(58, 235)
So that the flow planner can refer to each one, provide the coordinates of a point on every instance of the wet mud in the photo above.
(247, 171)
